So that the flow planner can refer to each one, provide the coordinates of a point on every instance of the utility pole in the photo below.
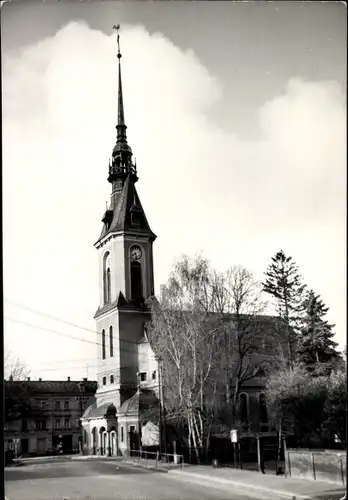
(80, 399)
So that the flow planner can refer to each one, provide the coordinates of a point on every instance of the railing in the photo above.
(319, 465)
(156, 459)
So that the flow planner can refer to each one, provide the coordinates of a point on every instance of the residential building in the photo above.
(43, 417)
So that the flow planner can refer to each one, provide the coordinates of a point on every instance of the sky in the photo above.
(236, 114)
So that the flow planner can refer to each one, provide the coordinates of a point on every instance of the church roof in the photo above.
(94, 411)
(144, 403)
(125, 202)
(125, 212)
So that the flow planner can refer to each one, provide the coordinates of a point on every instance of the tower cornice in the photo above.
(141, 236)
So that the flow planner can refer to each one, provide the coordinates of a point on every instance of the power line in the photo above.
(60, 320)
(75, 338)
(52, 317)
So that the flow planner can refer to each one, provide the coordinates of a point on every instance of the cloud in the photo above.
(202, 188)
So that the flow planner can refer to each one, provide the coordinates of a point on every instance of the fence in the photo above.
(318, 465)
(156, 459)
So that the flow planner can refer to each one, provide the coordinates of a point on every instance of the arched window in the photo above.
(107, 278)
(111, 342)
(243, 408)
(263, 414)
(103, 345)
(136, 281)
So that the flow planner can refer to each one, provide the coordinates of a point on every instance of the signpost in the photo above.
(234, 436)
(234, 440)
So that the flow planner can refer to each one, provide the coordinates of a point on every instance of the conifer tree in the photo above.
(285, 284)
(316, 348)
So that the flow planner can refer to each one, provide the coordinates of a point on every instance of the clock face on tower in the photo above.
(135, 252)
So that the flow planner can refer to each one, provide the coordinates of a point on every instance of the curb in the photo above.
(97, 457)
(147, 467)
(281, 494)
(44, 458)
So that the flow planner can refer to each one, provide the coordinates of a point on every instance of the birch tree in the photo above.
(183, 332)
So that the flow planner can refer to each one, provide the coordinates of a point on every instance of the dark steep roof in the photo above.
(126, 202)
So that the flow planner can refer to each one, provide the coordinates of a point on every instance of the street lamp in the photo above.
(81, 388)
(162, 415)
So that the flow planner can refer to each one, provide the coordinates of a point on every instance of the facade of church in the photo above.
(127, 374)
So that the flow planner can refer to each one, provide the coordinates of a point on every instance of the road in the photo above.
(97, 480)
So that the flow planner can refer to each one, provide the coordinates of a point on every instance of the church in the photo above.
(126, 408)
(126, 413)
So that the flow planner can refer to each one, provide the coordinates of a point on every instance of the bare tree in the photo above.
(183, 332)
(238, 299)
(17, 397)
(208, 329)
(14, 368)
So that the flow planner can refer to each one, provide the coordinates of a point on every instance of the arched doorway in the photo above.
(103, 440)
(113, 441)
(94, 441)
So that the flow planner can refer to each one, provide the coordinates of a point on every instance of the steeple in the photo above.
(121, 163)
(124, 212)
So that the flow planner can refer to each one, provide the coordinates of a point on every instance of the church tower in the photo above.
(125, 273)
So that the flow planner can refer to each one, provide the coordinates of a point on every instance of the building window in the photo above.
(108, 285)
(122, 434)
(66, 405)
(111, 342)
(24, 425)
(135, 219)
(57, 423)
(136, 281)
(103, 345)
(107, 278)
(57, 405)
(243, 408)
(111, 379)
(38, 425)
(67, 423)
(154, 375)
(104, 380)
(263, 414)
(143, 376)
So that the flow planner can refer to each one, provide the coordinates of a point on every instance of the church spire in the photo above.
(121, 164)
(121, 125)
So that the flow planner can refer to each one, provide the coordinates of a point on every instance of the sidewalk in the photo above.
(279, 486)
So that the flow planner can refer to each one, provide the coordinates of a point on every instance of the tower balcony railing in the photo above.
(122, 169)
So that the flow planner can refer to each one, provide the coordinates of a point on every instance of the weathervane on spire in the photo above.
(117, 28)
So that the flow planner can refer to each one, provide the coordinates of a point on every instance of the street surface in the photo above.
(97, 480)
